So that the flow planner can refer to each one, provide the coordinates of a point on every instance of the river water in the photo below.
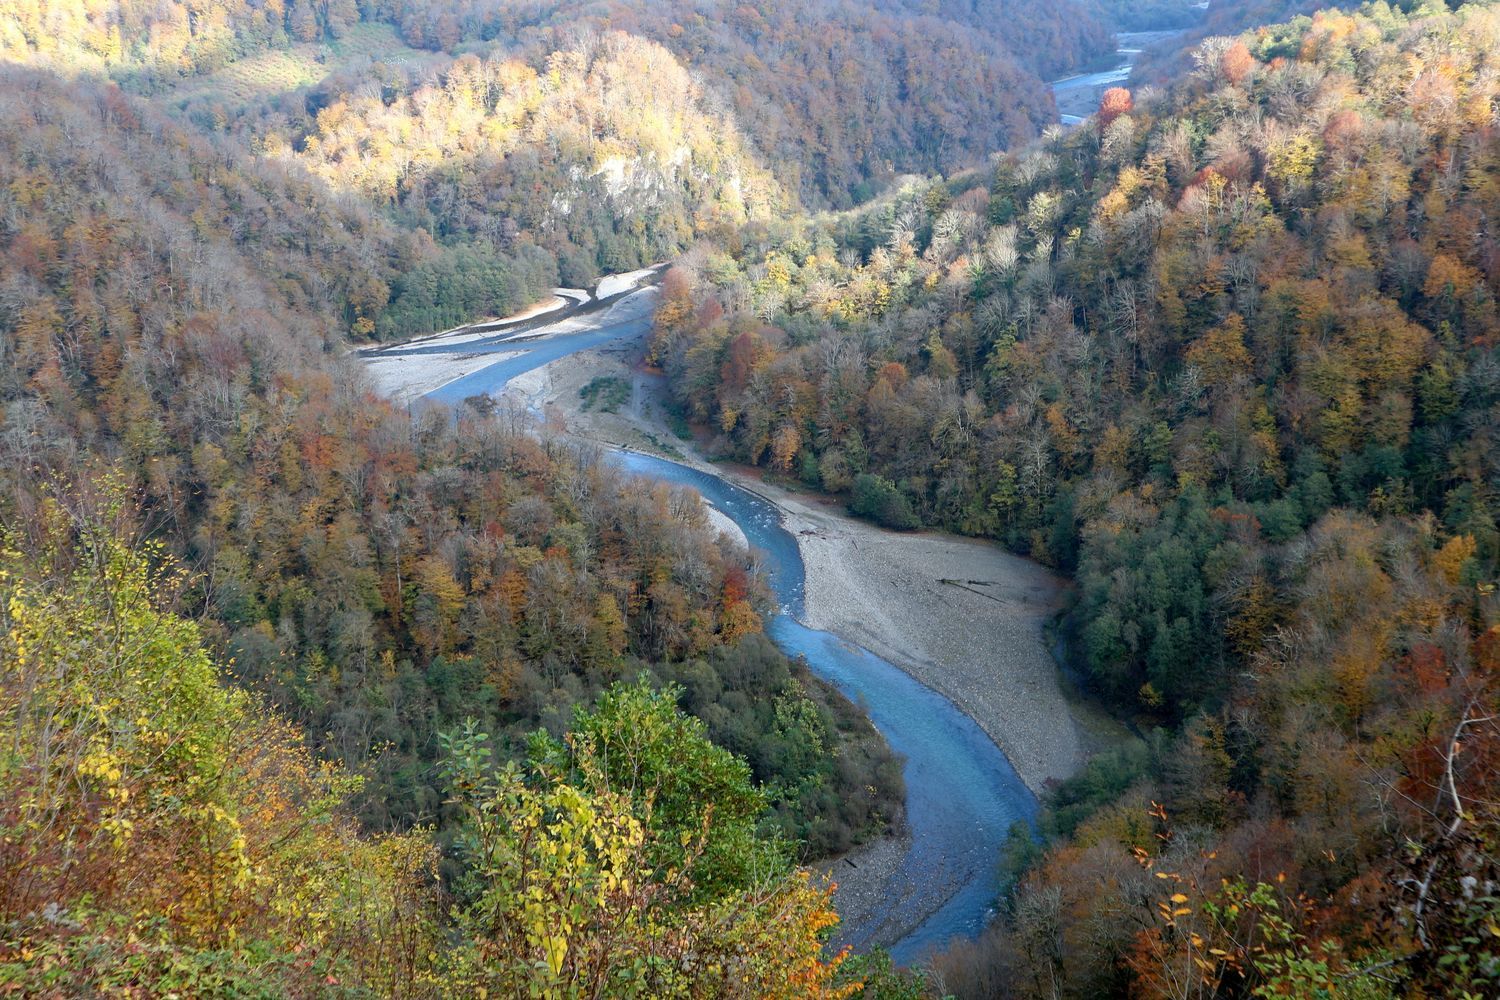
(534, 354)
(962, 795)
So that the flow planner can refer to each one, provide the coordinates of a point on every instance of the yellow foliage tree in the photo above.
(571, 904)
(142, 796)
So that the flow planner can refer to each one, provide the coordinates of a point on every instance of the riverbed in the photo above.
(962, 793)
(915, 893)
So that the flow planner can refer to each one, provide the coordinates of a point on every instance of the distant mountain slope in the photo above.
(151, 42)
(610, 155)
(533, 148)
(836, 96)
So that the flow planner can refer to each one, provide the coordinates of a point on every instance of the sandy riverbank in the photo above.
(726, 526)
(406, 377)
(963, 617)
(483, 329)
(407, 370)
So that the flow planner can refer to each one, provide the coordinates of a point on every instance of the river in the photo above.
(533, 355)
(963, 795)
(1078, 96)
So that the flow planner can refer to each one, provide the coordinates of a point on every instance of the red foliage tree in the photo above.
(1115, 102)
(1236, 63)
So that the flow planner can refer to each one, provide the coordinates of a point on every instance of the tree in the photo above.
(645, 748)
(302, 21)
(147, 801)
(1115, 101)
(568, 900)
(1220, 355)
(785, 444)
(879, 500)
(1236, 63)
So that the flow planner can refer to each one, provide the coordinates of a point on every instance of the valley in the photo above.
(763, 501)
(925, 603)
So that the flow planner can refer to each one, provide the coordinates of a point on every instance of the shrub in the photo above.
(879, 500)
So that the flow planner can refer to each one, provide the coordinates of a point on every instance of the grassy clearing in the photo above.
(278, 71)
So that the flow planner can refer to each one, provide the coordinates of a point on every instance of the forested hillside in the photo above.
(165, 835)
(154, 43)
(1172, 58)
(490, 178)
(1042, 37)
(168, 306)
(1150, 15)
(537, 143)
(835, 98)
(305, 696)
(1229, 356)
(609, 157)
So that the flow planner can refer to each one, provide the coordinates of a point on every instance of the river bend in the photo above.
(963, 795)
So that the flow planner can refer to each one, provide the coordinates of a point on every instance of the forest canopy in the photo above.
(182, 836)
(305, 695)
(1227, 354)
(355, 586)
